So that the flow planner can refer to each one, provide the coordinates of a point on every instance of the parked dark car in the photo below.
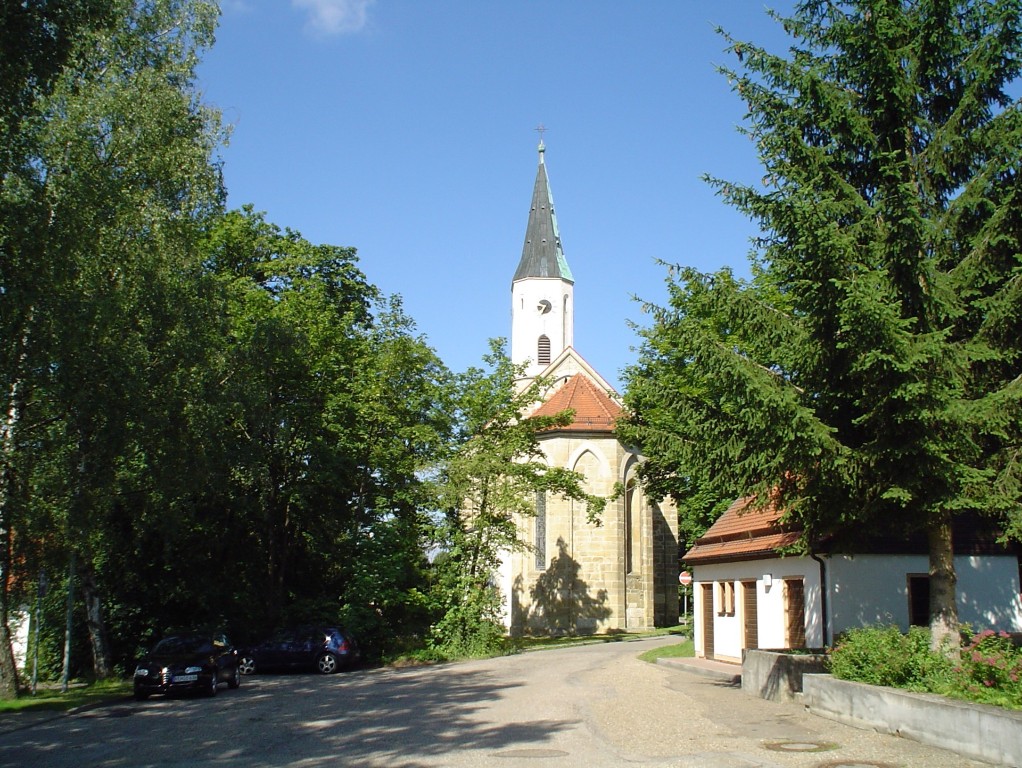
(325, 649)
(188, 663)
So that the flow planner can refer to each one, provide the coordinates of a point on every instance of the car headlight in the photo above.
(190, 670)
(141, 672)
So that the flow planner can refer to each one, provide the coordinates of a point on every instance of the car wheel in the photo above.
(247, 665)
(327, 664)
(235, 680)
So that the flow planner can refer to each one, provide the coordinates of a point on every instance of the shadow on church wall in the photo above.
(561, 603)
(665, 567)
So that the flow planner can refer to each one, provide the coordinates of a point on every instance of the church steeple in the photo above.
(542, 289)
(542, 255)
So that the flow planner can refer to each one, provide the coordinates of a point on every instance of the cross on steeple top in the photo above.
(541, 129)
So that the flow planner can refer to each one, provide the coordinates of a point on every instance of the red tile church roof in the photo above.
(595, 410)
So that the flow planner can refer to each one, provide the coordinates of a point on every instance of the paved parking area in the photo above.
(595, 706)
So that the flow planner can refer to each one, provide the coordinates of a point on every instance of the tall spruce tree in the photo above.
(868, 374)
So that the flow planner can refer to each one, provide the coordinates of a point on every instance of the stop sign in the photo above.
(685, 578)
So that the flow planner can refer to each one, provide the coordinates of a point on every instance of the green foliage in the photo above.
(487, 484)
(107, 177)
(387, 604)
(470, 626)
(989, 670)
(193, 398)
(865, 377)
(884, 656)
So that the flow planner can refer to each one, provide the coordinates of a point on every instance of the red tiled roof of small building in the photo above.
(743, 532)
(595, 410)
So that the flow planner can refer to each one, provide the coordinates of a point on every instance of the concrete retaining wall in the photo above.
(777, 676)
(973, 730)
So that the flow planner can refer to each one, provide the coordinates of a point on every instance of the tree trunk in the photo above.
(944, 631)
(278, 546)
(69, 604)
(98, 639)
(8, 667)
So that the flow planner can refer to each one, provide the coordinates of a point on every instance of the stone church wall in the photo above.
(583, 585)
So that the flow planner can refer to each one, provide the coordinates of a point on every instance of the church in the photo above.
(578, 578)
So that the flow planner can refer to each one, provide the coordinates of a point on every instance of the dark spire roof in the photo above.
(542, 255)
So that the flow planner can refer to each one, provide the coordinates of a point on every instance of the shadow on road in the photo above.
(392, 717)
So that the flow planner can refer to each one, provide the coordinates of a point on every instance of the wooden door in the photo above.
(750, 619)
(707, 615)
(794, 613)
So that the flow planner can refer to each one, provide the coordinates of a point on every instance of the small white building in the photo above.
(749, 596)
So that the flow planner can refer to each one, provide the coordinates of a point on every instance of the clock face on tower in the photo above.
(544, 306)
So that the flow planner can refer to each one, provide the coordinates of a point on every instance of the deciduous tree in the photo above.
(101, 206)
(487, 487)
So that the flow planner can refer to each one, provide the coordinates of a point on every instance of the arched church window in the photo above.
(543, 352)
(632, 532)
(540, 530)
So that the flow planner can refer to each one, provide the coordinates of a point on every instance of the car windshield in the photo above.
(180, 645)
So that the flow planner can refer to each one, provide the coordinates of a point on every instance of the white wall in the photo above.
(769, 576)
(862, 590)
(528, 324)
(873, 589)
(505, 583)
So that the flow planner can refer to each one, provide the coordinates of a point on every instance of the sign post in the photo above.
(685, 579)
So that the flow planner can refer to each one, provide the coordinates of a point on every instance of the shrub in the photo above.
(884, 656)
(988, 671)
(470, 627)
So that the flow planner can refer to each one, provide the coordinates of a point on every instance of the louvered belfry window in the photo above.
(543, 356)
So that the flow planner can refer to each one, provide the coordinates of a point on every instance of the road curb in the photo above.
(711, 673)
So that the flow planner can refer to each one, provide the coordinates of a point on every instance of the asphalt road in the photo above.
(594, 706)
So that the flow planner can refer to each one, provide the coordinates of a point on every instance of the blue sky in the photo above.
(405, 128)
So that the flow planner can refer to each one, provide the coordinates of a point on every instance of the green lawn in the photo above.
(78, 695)
(536, 643)
(684, 648)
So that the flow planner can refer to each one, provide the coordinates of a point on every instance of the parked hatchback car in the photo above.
(188, 663)
(324, 649)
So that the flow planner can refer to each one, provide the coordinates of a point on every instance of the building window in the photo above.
(632, 531)
(540, 530)
(725, 598)
(543, 356)
(918, 600)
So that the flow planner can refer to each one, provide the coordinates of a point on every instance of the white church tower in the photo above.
(542, 290)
